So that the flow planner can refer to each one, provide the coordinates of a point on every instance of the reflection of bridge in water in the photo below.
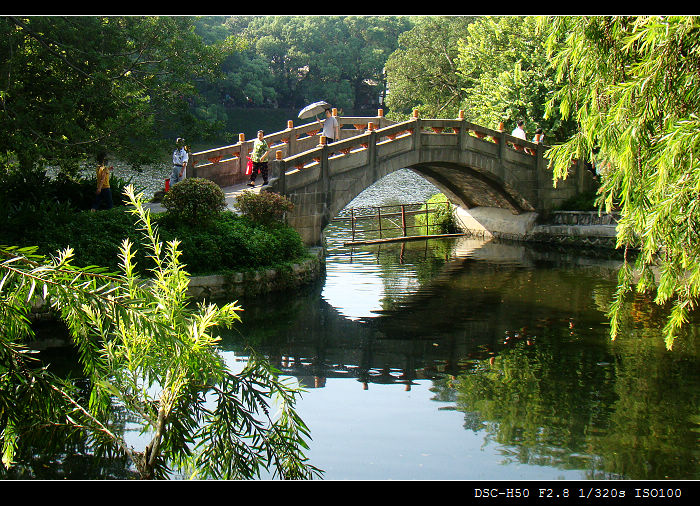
(464, 316)
(360, 350)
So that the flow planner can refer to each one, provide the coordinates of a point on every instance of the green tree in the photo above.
(339, 59)
(422, 72)
(72, 85)
(150, 354)
(506, 74)
(631, 84)
(245, 78)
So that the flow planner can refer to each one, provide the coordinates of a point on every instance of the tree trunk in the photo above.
(152, 451)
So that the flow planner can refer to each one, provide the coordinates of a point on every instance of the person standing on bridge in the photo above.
(180, 158)
(518, 131)
(259, 158)
(539, 137)
(331, 130)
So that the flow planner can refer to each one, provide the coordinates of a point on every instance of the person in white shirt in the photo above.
(180, 158)
(518, 131)
(331, 131)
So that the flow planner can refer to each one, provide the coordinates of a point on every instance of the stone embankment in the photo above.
(571, 228)
(231, 286)
(234, 285)
(578, 228)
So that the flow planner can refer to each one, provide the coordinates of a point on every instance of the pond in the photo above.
(464, 359)
(461, 359)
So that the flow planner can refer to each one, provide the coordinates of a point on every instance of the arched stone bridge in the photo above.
(474, 166)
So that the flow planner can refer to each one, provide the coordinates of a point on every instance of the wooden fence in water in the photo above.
(392, 218)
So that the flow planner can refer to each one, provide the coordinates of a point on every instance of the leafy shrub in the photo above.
(441, 218)
(17, 186)
(80, 191)
(36, 188)
(233, 242)
(228, 242)
(195, 200)
(263, 207)
(53, 226)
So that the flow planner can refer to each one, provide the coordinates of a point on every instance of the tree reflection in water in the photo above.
(516, 339)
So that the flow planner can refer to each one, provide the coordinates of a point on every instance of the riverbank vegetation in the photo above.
(631, 84)
(440, 218)
(211, 239)
(147, 357)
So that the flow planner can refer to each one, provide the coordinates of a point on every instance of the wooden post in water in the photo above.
(427, 224)
(352, 220)
(379, 216)
(403, 219)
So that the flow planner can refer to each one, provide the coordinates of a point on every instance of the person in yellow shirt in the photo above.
(103, 193)
(259, 155)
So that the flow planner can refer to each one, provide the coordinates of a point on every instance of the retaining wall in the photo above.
(573, 228)
(239, 284)
(234, 285)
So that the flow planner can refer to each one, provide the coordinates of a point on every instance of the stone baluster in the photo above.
(292, 142)
(243, 154)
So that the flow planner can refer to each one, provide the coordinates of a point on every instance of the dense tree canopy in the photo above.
(506, 75)
(422, 72)
(71, 86)
(495, 68)
(339, 59)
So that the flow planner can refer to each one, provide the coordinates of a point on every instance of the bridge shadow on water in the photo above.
(480, 301)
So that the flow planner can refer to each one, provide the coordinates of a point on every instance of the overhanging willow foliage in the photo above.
(632, 84)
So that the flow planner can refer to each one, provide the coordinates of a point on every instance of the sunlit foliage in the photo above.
(146, 351)
(632, 85)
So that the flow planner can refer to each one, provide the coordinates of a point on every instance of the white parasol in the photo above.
(314, 109)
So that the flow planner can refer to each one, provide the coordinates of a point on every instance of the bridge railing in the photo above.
(227, 165)
(354, 150)
(302, 147)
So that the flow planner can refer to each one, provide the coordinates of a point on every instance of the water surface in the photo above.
(464, 359)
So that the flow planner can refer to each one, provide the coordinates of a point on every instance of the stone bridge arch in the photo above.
(475, 167)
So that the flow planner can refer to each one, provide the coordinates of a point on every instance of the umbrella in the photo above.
(314, 109)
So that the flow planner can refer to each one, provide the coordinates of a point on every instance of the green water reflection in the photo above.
(514, 339)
